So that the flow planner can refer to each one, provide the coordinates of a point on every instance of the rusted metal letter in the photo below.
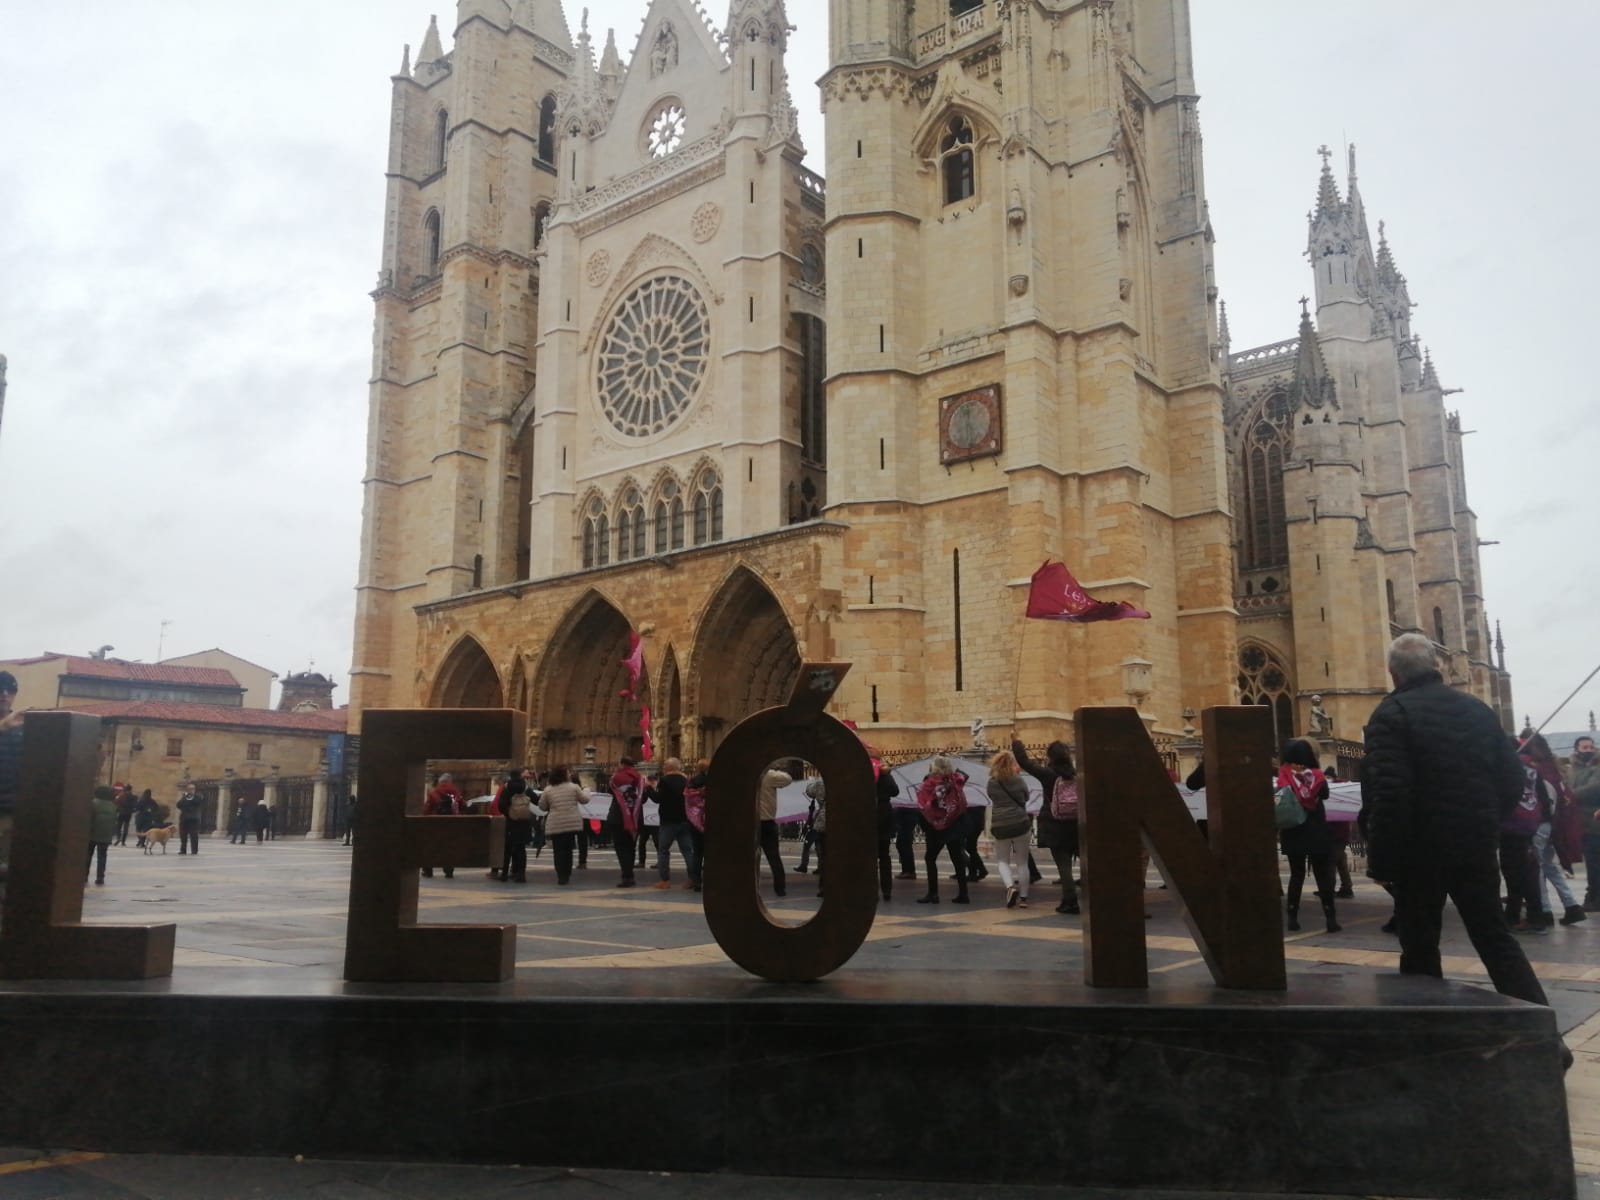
(43, 936)
(384, 943)
(735, 910)
(1227, 885)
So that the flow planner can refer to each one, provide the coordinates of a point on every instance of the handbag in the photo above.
(1287, 811)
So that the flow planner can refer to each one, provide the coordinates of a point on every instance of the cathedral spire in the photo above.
(1430, 377)
(432, 49)
(547, 19)
(1313, 385)
(1223, 334)
(1500, 645)
(405, 61)
(611, 67)
(1357, 207)
(1388, 273)
(1328, 202)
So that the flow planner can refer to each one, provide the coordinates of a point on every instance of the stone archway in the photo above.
(467, 679)
(578, 690)
(746, 657)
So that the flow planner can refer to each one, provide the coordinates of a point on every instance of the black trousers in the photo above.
(768, 840)
(649, 835)
(1475, 889)
(1591, 869)
(188, 837)
(905, 835)
(624, 843)
(1321, 870)
(583, 844)
(952, 840)
(1520, 870)
(122, 828)
(563, 845)
(885, 868)
(97, 850)
(514, 864)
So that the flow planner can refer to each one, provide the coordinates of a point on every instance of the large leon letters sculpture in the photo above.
(44, 936)
(1227, 880)
(734, 909)
(384, 943)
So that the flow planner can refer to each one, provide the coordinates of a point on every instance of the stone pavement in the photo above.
(259, 917)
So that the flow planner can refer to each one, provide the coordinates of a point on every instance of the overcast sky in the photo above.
(191, 217)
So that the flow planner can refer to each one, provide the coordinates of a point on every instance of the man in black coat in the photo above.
(1443, 774)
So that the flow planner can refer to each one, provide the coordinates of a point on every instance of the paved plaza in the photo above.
(271, 918)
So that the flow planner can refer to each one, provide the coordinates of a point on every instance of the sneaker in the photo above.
(625, 883)
(962, 900)
(1574, 915)
(1022, 902)
(1345, 894)
(1013, 897)
(664, 886)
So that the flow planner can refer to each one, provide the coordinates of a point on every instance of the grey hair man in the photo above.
(1443, 775)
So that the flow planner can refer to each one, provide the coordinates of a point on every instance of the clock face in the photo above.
(970, 425)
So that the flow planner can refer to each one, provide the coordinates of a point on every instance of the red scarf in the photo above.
(1305, 782)
(1551, 774)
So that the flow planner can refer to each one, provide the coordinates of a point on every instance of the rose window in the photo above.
(653, 356)
(666, 131)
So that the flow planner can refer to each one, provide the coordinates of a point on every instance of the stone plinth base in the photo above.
(1354, 1085)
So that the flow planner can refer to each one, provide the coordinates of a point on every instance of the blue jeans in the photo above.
(1551, 871)
(680, 834)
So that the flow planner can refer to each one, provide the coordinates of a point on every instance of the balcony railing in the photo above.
(957, 29)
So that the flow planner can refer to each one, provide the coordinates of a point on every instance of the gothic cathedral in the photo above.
(638, 370)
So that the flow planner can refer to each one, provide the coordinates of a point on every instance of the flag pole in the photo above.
(1562, 705)
(1016, 693)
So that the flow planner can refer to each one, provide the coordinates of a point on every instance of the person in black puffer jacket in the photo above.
(1442, 778)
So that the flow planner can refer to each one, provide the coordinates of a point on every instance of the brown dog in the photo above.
(160, 833)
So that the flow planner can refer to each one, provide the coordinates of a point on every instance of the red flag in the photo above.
(648, 750)
(635, 664)
(1056, 596)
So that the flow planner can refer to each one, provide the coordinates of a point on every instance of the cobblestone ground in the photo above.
(256, 915)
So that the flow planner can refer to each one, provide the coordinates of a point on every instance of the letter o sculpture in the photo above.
(735, 910)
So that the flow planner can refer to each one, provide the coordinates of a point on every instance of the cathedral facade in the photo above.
(637, 369)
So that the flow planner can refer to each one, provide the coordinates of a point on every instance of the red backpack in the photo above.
(1064, 799)
(942, 799)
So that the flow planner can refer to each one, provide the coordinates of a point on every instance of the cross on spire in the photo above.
(1327, 155)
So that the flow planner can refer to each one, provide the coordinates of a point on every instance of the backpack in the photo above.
(942, 799)
(520, 808)
(694, 807)
(1287, 811)
(1527, 814)
(1064, 799)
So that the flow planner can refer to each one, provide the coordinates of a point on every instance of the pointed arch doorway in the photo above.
(746, 656)
(578, 690)
(467, 679)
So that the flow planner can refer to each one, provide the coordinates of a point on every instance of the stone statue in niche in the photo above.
(664, 55)
(1321, 721)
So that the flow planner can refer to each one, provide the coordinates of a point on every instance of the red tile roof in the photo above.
(116, 668)
(322, 721)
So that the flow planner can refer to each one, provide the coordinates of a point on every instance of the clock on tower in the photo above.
(970, 425)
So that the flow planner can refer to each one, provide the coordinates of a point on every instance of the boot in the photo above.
(1293, 913)
(931, 898)
(1328, 916)
(1575, 914)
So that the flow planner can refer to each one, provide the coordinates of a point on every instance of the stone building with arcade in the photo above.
(637, 368)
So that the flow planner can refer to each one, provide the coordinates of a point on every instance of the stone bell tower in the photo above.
(1023, 357)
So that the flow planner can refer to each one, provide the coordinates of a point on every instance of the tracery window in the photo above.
(669, 518)
(708, 508)
(631, 527)
(596, 535)
(430, 239)
(666, 130)
(547, 130)
(653, 356)
(1263, 679)
(956, 161)
(1266, 449)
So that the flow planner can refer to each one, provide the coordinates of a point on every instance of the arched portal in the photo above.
(578, 692)
(746, 657)
(670, 718)
(467, 679)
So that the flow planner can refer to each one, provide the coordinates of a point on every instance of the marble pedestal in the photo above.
(1352, 1085)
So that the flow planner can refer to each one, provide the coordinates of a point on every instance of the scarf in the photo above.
(1305, 782)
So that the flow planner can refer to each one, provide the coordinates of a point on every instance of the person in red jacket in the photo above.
(626, 816)
(445, 800)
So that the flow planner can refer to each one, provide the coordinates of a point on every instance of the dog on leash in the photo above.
(162, 834)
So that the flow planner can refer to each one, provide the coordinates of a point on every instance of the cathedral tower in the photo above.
(1023, 356)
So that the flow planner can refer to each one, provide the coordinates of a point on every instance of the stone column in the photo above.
(319, 809)
(224, 809)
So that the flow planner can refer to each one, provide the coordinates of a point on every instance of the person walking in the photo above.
(261, 816)
(674, 829)
(1443, 775)
(102, 831)
(1058, 815)
(123, 797)
(562, 801)
(817, 793)
(350, 820)
(516, 805)
(767, 832)
(146, 816)
(191, 810)
(1310, 840)
(942, 801)
(1584, 780)
(623, 819)
(885, 789)
(1010, 826)
(1542, 774)
(444, 800)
